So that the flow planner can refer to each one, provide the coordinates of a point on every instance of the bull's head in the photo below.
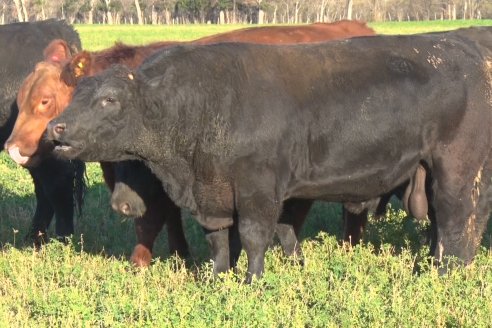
(98, 124)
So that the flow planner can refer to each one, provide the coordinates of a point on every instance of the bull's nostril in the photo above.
(59, 128)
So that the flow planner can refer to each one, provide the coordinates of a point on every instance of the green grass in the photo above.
(96, 37)
(90, 282)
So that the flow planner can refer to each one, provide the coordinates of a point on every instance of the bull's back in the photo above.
(387, 99)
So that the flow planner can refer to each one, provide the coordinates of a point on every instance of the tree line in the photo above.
(239, 11)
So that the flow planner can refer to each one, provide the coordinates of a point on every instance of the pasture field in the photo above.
(89, 283)
(96, 37)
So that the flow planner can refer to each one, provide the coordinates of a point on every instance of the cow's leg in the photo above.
(63, 206)
(461, 207)
(147, 228)
(175, 233)
(60, 194)
(354, 225)
(380, 210)
(235, 245)
(289, 225)
(42, 216)
(107, 169)
(55, 179)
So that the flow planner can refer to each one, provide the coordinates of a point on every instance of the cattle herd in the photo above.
(247, 128)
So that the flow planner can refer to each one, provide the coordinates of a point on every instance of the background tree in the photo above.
(239, 11)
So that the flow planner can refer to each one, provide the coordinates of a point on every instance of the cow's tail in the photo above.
(79, 184)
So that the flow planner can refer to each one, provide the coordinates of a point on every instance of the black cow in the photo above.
(237, 128)
(56, 181)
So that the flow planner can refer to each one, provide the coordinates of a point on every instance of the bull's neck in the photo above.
(167, 144)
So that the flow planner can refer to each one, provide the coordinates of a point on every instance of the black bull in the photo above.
(236, 128)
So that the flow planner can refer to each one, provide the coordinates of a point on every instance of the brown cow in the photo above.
(47, 91)
(317, 32)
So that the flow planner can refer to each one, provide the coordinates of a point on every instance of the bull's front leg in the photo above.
(218, 242)
(217, 224)
(256, 228)
(225, 246)
(258, 213)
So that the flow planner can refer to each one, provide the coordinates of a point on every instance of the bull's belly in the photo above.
(350, 187)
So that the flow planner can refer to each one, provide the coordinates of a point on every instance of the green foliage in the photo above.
(60, 286)
(97, 37)
(90, 282)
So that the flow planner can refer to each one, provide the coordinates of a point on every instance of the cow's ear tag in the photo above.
(79, 70)
(130, 76)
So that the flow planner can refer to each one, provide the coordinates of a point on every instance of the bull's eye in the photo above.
(108, 100)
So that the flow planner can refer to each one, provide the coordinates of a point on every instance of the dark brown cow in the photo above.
(47, 91)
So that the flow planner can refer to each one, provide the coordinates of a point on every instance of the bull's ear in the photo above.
(77, 68)
(57, 51)
(124, 72)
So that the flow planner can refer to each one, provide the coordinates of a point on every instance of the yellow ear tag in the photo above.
(130, 76)
(79, 69)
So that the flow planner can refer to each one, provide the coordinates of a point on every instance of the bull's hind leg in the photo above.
(461, 208)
